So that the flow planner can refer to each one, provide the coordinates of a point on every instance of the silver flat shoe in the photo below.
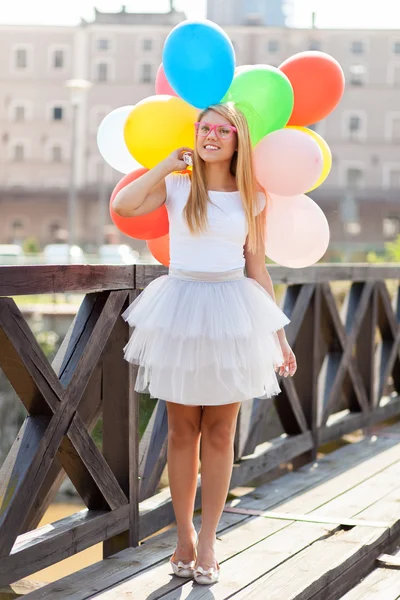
(184, 570)
(207, 577)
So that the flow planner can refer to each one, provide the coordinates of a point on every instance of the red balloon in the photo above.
(162, 84)
(160, 249)
(143, 227)
(318, 85)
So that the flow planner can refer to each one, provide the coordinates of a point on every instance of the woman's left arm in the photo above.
(256, 269)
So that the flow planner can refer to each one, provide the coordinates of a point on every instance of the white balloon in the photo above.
(297, 231)
(111, 142)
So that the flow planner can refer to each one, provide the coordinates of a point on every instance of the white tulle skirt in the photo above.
(205, 338)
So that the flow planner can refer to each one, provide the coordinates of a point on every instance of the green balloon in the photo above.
(265, 96)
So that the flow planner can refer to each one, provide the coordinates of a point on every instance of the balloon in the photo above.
(287, 162)
(160, 249)
(265, 96)
(326, 154)
(318, 84)
(143, 227)
(297, 233)
(162, 84)
(111, 143)
(199, 62)
(158, 125)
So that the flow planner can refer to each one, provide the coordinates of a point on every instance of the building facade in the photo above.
(119, 54)
(266, 13)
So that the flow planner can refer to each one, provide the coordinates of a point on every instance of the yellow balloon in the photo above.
(326, 154)
(157, 126)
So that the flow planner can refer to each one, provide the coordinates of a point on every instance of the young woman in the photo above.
(206, 337)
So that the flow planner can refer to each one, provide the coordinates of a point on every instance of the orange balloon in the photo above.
(318, 84)
(143, 227)
(160, 249)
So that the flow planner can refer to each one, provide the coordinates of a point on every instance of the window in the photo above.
(396, 128)
(103, 44)
(58, 113)
(56, 154)
(102, 72)
(396, 47)
(17, 228)
(58, 60)
(147, 73)
(394, 75)
(391, 226)
(357, 74)
(19, 113)
(354, 123)
(355, 178)
(352, 227)
(18, 152)
(273, 46)
(21, 58)
(394, 178)
(314, 45)
(53, 230)
(357, 47)
(147, 45)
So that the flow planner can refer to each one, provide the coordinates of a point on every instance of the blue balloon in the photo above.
(199, 62)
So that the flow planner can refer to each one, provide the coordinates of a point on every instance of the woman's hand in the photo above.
(289, 365)
(174, 160)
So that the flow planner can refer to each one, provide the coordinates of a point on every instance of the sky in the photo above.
(329, 13)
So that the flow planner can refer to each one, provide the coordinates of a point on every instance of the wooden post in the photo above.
(120, 426)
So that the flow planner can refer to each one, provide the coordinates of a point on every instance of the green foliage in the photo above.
(146, 407)
(48, 341)
(391, 253)
(31, 246)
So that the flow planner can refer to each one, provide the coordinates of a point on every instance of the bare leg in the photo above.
(218, 425)
(183, 467)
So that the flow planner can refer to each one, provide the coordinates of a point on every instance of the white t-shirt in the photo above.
(220, 246)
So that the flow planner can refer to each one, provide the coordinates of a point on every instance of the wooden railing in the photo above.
(348, 378)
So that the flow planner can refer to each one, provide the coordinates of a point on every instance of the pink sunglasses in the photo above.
(223, 132)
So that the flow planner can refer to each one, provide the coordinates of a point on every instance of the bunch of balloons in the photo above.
(199, 70)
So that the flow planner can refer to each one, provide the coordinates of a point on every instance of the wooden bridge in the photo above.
(328, 528)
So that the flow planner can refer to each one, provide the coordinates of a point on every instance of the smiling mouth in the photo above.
(211, 147)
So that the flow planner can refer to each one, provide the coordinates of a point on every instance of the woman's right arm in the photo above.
(148, 192)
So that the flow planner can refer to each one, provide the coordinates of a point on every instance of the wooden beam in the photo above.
(316, 274)
(52, 279)
(346, 361)
(268, 456)
(47, 279)
(49, 544)
(68, 458)
(353, 421)
(77, 454)
(116, 417)
(153, 451)
(59, 424)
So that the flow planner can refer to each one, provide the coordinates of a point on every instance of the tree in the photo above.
(391, 254)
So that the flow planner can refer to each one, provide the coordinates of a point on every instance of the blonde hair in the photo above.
(195, 212)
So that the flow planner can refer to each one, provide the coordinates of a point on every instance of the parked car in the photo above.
(11, 254)
(63, 254)
(117, 254)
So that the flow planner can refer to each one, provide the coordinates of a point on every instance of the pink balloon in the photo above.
(288, 162)
(162, 84)
(297, 233)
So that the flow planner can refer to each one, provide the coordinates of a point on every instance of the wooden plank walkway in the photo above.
(382, 584)
(326, 527)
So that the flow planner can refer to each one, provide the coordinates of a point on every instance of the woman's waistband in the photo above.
(207, 276)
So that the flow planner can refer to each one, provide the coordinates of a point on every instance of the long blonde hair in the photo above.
(195, 212)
